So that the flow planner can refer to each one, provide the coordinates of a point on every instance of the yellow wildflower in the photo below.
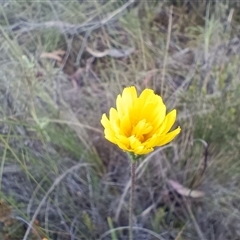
(138, 124)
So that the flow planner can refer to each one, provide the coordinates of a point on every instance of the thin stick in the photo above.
(70, 123)
(133, 171)
(157, 236)
(167, 47)
(128, 185)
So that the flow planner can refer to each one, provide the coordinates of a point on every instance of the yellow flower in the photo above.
(138, 124)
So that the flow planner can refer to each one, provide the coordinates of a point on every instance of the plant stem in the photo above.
(133, 168)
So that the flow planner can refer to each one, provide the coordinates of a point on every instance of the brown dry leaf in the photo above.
(56, 55)
(113, 52)
(5, 211)
(185, 191)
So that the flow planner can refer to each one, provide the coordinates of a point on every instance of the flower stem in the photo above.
(133, 169)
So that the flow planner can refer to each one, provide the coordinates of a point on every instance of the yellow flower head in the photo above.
(138, 124)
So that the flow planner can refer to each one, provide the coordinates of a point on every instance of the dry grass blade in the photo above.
(56, 182)
(199, 231)
(167, 48)
(157, 236)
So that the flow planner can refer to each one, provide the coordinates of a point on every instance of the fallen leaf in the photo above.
(5, 211)
(185, 191)
(116, 53)
(113, 52)
(56, 55)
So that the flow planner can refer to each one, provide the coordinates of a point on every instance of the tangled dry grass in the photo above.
(62, 65)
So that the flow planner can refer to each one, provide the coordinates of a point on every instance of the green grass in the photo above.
(56, 166)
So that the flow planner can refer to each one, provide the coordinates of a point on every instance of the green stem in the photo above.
(133, 170)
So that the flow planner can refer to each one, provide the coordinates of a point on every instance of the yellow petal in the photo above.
(114, 120)
(135, 111)
(129, 92)
(134, 142)
(124, 140)
(158, 116)
(125, 125)
(141, 128)
(122, 146)
(168, 122)
(120, 106)
(146, 94)
(113, 115)
(109, 135)
(124, 103)
(141, 150)
(129, 95)
(147, 111)
(104, 121)
(162, 140)
(151, 142)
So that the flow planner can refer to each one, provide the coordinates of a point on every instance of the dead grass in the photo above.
(59, 178)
